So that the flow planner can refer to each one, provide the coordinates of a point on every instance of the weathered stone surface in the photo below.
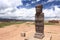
(39, 9)
(39, 22)
(23, 34)
(47, 37)
(39, 35)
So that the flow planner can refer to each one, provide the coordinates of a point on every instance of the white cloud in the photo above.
(7, 7)
(50, 0)
(38, 0)
(57, 11)
(52, 13)
(10, 3)
(27, 4)
(33, 1)
(22, 13)
(15, 2)
(9, 10)
(49, 13)
(26, 13)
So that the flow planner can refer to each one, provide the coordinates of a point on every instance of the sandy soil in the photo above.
(13, 32)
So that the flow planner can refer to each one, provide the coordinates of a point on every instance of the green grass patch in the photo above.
(49, 23)
(3, 24)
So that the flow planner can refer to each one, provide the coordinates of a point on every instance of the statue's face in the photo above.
(39, 10)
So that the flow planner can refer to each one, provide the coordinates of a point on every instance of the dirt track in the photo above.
(13, 32)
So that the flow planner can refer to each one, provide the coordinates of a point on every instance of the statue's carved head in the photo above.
(39, 8)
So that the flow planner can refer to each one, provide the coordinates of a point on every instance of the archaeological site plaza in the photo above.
(27, 30)
(39, 25)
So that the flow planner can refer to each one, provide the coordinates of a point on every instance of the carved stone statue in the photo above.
(39, 22)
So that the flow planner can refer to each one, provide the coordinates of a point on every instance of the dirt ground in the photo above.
(13, 32)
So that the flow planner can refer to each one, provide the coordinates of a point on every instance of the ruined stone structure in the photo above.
(53, 21)
(39, 22)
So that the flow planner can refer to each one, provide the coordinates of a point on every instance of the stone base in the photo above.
(46, 37)
(39, 35)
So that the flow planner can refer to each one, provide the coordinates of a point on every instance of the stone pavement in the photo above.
(47, 37)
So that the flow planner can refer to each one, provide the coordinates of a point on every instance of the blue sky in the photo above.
(25, 9)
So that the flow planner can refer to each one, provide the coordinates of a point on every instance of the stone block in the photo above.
(46, 37)
(23, 34)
